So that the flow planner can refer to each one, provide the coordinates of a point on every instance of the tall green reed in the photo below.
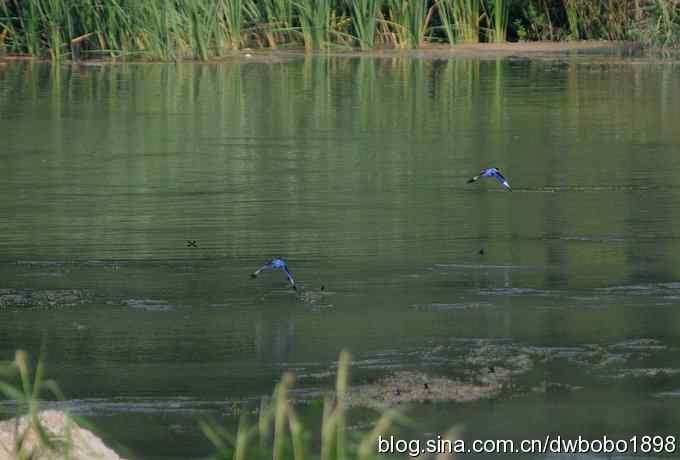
(572, 18)
(618, 17)
(111, 27)
(277, 21)
(500, 11)
(201, 24)
(460, 20)
(158, 29)
(230, 14)
(160, 33)
(445, 10)
(315, 22)
(365, 17)
(409, 20)
(662, 29)
(669, 21)
(172, 29)
(54, 15)
(28, 23)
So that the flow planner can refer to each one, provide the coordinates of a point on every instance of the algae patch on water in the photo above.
(417, 387)
(490, 370)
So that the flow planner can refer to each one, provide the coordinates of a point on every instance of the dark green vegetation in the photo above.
(202, 29)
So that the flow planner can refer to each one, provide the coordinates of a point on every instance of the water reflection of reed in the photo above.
(349, 144)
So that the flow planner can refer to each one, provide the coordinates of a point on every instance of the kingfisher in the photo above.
(276, 264)
(492, 172)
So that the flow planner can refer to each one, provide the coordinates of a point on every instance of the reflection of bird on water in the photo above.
(276, 264)
(492, 172)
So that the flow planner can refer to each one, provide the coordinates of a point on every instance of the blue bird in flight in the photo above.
(492, 172)
(276, 264)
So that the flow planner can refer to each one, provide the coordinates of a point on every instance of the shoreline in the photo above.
(536, 49)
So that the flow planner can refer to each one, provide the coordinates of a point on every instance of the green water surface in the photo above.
(354, 170)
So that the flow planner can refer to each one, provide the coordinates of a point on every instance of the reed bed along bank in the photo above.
(204, 29)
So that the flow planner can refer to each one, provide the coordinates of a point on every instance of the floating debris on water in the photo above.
(512, 291)
(598, 356)
(29, 298)
(640, 344)
(41, 263)
(452, 306)
(56, 274)
(668, 394)
(451, 267)
(149, 304)
(555, 387)
(653, 373)
(89, 407)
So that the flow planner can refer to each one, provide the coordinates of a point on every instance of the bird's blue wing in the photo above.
(264, 267)
(502, 180)
(289, 275)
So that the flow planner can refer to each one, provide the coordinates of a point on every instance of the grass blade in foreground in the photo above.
(289, 433)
